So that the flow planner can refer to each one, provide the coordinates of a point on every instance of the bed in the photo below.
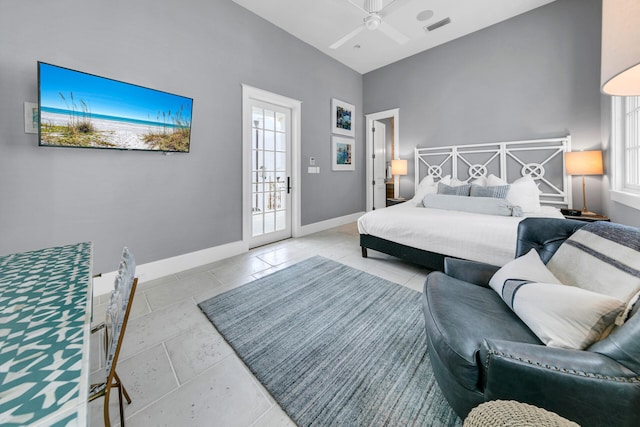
(425, 236)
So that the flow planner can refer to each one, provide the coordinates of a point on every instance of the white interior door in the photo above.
(270, 173)
(394, 115)
(379, 165)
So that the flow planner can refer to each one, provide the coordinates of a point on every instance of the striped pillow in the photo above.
(601, 257)
(559, 315)
(562, 316)
(497, 192)
(460, 190)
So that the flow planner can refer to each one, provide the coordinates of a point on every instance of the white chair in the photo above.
(114, 327)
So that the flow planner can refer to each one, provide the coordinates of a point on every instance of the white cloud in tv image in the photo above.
(83, 110)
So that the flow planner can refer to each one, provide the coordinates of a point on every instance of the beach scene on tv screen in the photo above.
(83, 110)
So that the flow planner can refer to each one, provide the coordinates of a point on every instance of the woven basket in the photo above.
(508, 413)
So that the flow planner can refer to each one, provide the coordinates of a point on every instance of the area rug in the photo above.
(334, 346)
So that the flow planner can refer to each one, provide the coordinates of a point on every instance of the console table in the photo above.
(45, 322)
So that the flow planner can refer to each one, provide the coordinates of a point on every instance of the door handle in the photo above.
(288, 185)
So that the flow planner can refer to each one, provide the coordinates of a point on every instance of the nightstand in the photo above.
(391, 201)
(588, 218)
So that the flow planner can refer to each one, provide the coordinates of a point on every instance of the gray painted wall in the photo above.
(534, 76)
(160, 206)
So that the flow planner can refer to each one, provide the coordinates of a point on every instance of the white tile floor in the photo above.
(176, 367)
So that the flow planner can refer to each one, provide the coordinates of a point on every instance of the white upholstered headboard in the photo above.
(543, 159)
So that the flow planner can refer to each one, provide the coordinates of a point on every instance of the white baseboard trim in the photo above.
(330, 223)
(165, 267)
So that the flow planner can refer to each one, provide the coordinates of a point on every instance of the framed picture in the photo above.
(30, 117)
(342, 153)
(343, 118)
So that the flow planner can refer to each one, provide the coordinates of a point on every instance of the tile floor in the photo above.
(179, 371)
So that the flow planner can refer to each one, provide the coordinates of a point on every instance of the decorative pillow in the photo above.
(497, 192)
(525, 193)
(481, 181)
(426, 186)
(526, 268)
(563, 316)
(453, 182)
(493, 181)
(481, 205)
(460, 190)
(602, 257)
(427, 181)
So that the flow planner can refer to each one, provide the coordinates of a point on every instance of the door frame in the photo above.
(380, 188)
(252, 93)
(369, 119)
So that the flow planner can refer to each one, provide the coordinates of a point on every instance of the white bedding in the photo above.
(477, 237)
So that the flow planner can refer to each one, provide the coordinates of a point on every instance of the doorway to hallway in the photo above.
(379, 153)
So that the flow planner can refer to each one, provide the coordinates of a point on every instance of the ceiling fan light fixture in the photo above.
(372, 22)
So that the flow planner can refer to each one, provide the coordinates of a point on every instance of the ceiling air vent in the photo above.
(438, 24)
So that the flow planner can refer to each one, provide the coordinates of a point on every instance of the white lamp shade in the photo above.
(398, 167)
(620, 69)
(583, 162)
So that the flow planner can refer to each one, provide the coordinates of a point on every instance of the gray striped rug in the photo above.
(334, 346)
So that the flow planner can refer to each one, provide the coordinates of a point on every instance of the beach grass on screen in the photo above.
(78, 109)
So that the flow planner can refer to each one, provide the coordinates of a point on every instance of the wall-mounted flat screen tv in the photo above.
(78, 109)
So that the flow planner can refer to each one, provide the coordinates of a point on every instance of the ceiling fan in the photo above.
(373, 20)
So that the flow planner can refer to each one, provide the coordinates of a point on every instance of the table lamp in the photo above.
(584, 163)
(398, 167)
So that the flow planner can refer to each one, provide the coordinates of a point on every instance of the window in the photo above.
(626, 150)
(631, 142)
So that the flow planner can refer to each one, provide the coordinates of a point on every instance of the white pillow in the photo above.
(451, 182)
(426, 186)
(525, 193)
(482, 181)
(559, 315)
(564, 316)
(446, 180)
(494, 181)
(528, 267)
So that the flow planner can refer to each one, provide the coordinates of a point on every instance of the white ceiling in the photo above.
(321, 23)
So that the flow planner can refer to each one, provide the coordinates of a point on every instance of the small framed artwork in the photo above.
(30, 117)
(342, 152)
(343, 118)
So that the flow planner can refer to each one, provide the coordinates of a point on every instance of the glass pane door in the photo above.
(270, 212)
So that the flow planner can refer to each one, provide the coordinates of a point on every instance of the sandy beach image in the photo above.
(104, 133)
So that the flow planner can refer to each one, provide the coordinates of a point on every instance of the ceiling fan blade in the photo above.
(393, 6)
(358, 6)
(346, 38)
(392, 33)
